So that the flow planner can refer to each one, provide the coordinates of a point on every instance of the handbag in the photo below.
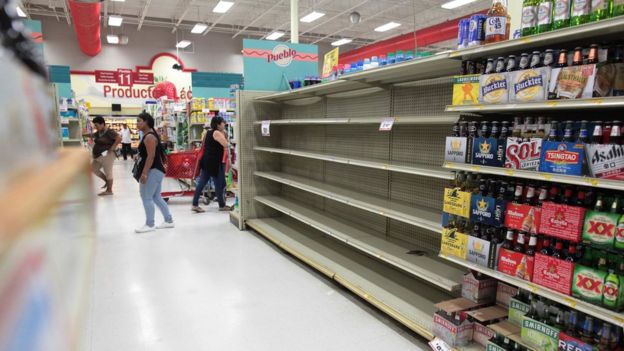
(137, 169)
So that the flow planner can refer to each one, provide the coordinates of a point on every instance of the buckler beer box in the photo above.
(523, 154)
(482, 252)
(601, 228)
(517, 311)
(529, 85)
(488, 152)
(454, 243)
(570, 343)
(562, 158)
(561, 221)
(523, 217)
(493, 88)
(588, 284)
(605, 161)
(540, 336)
(575, 82)
(553, 273)
(516, 264)
(457, 202)
(482, 291)
(466, 90)
(456, 149)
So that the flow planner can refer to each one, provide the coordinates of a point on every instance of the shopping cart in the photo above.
(183, 166)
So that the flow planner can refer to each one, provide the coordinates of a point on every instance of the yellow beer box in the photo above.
(466, 90)
(529, 85)
(457, 202)
(454, 243)
(494, 88)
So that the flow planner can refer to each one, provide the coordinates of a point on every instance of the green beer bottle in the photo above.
(561, 14)
(579, 13)
(529, 17)
(617, 8)
(544, 16)
(611, 295)
(600, 9)
(619, 235)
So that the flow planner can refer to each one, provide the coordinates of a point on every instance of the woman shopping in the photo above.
(151, 171)
(211, 164)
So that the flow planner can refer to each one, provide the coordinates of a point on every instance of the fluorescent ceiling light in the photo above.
(275, 35)
(112, 39)
(223, 6)
(387, 27)
(118, 0)
(342, 42)
(20, 12)
(456, 3)
(115, 21)
(312, 16)
(199, 28)
(183, 44)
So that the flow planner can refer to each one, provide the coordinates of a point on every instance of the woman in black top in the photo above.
(212, 165)
(152, 169)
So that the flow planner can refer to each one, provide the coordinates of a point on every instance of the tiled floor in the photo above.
(207, 286)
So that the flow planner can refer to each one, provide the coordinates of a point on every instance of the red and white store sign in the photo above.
(124, 77)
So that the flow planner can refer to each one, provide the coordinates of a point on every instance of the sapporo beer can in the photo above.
(462, 33)
(476, 34)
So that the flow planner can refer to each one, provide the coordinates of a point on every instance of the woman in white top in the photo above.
(126, 142)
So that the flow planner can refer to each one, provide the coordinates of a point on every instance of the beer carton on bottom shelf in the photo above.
(452, 333)
(516, 264)
(483, 318)
(588, 284)
(540, 336)
(517, 311)
(553, 273)
(569, 343)
(479, 290)
(504, 293)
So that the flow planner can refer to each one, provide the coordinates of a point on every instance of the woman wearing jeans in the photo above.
(212, 165)
(151, 162)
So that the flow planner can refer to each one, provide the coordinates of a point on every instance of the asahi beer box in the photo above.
(523, 153)
(523, 217)
(605, 161)
(569, 343)
(466, 90)
(457, 202)
(488, 152)
(454, 243)
(504, 293)
(562, 221)
(516, 264)
(494, 88)
(456, 149)
(553, 273)
(562, 158)
(529, 85)
(600, 229)
(588, 284)
(517, 311)
(487, 210)
(482, 291)
(539, 335)
(482, 252)
(576, 82)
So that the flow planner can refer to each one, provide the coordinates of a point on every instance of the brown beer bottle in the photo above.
(519, 246)
(543, 195)
(509, 239)
(530, 195)
(563, 59)
(498, 22)
(593, 54)
(557, 253)
(571, 255)
(577, 60)
(546, 249)
(532, 245)
(597, 134)
(616, 133)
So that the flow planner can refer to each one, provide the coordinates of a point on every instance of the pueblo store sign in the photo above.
(132, 87)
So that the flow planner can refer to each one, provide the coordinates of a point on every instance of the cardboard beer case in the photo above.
(482, 291)
(517, 311)
(487, 210)
(605, 161)
(562, 221)
(488, 152)
(481, 334)
(466, 90)
(483, 317)
(504, 293)
(575, 82)
(600, 229)
(456, 150)
(588, 284)
(569, 343)
(457, 202)
(562, 158)
(454, 243)
(553, 273)
(454, 335)
(529, 85)
(523, 153)
(523, 217)
(516, 264)
(540, 336)
(482, 252)
(494, 88)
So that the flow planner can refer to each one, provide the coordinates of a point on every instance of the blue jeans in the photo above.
(219, 182)
(150, 194)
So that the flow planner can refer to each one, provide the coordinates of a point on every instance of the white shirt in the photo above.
(125, 136)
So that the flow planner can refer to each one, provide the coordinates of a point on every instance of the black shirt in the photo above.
(213, 154)
(158, 162)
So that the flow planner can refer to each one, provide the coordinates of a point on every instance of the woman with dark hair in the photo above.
(211, 164)
(151, 167)
(105, 144)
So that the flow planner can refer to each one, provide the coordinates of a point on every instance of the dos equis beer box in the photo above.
(529, 85)
(493, 88)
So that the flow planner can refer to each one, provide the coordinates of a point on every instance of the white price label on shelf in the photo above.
(266, 128)
(439, 345)
(205, 110)
(386, 125)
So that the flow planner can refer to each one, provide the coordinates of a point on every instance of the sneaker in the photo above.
(225, 209)
(145, 229)
(165, 225)
(197, 209)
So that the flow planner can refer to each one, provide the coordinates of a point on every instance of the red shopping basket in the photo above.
(183, 166)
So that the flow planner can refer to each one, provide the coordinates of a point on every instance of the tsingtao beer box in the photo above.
(488, 152)
(605, 161)
(562, 158)
(523, 154)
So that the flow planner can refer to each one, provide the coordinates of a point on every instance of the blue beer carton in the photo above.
(488, 152)
(487, 210)
(562, 158)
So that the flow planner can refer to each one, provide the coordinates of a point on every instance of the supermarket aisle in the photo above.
(207, 286)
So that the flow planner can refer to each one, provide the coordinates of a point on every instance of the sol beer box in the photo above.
(600, 229)
(466, 90)
(540, 336)
(523, 154)
(562, 158)
(493, 88)
(588, 284)
(529, 85)
(561, 221)
(569, 343)
(482, 252)
(457, 202)
(487, 210)
(605, 161)
(488, 152)
(516, 264)
(456, 149)
(553, 273)
(454, 243)
(523, 217)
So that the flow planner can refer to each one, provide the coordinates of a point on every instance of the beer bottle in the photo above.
(562, 61)
(568, 135)
(476, 230)
(529, 17)
(511, 190)
(618, 8)
(488, 234)
(517, 127)
(543, 195)
(511, 63)
(533, 308)
(604, 344)
(554, 194)
(541, 129)
(524, 61)
(472, 129)
(509, 240)
(527, 129)
(580, 198)
(491, 187)
(498, 22)
(518, 193)
(500, 65)
(571, 254)
(597, 134)
(546, 249)
(502, 188)
(489, 67)
(463, 129)
(601, 262)
(588, 256)
(464, 68)
(544, 16)
(549, 58)
(619, 237)
(482, 189)
(495, 130)
(616, 205)
(611, 295)
(520, 242)
(557, 252)
(600, 9)
(571, 328)
(592, 57)
(559, 319)
(606, 133)
(485, 130)
(529, 199)
(587, 332)
(567, 196)
(580, 12)
(455, 131)
(536, 59)
(583, 133)
(599, 206)
(504, 131)
(554, 131)
(616, 133)
(577, 59)
(545, 317)
(561, 14)
(532, 245)
(580, 252)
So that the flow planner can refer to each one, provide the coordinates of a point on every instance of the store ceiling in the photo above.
(258, 18)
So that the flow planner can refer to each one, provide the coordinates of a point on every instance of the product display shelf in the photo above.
(577, 35)
(67, 120)
(550, 177)
(421, 218)
(546, 106)
(569, 301)
(395, 253)
(425, 171)
(400, 296)
(371, 120)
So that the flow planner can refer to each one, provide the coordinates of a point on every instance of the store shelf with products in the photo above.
(543, 106)
(371, 120)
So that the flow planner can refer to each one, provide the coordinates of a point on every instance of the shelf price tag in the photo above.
(266, 128)
(386, 125)
(438, 345)
(570, 302)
